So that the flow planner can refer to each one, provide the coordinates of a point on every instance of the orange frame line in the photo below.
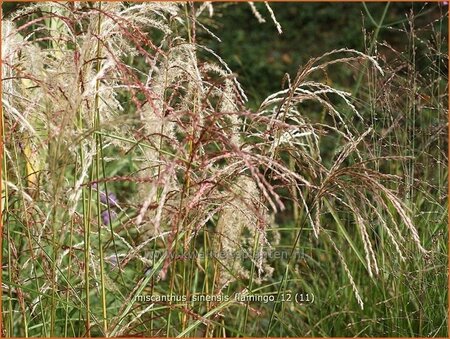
(236, 1)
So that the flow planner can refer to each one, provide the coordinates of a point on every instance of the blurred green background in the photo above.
(260, 56)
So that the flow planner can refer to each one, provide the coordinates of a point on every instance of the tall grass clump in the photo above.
(136, 180)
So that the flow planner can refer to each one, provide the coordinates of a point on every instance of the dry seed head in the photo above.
(236, 217)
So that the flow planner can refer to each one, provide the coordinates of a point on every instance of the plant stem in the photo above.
(97, 174)
(372, 44)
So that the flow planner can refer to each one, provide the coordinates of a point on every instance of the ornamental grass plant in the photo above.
(134, 166)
